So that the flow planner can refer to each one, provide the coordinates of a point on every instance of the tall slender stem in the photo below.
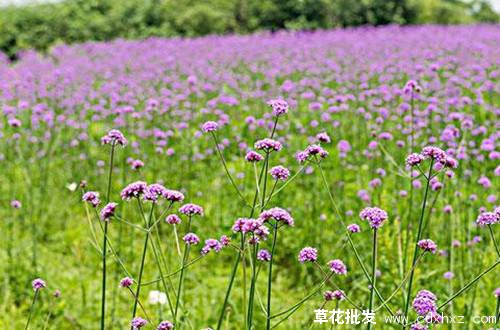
(105, 239)
(419, 233)
(143, 259)
(374, 278)
(31, 310)
(270, 277)
(494, 240)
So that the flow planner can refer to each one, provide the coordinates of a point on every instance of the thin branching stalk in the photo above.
(374, 277)
(185, 258)
(419, 233)
(270, 277)
(493, 239)
(32, 308)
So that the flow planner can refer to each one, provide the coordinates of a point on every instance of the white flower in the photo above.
(157, 297)
(72, 186)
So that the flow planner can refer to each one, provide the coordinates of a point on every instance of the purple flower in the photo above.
(277, 214)
(92, 197)
(268, 145)
(173, 219)
(224, 240)
(314, 149)
(138, 323)
(14, 122)
(264, 255)
(308, 254)
(126, 282)
(280, 107)
(423, 305)
(374, 215)
(448, 275)
(165, 325)
(323, 137)
(337, 267)
(135, 189)
(191, 239)
(427, 245)
(38, 284)
(211, 244)
(15, 204)
(253, 156)
(414, 159)
(153, 191)
(173, 195)
(353, 228)
(487, 218)
(497, 292)
(135, 163)
(191, 209)
(337, 294)
(419, 326)
(209, 126)
(434, 153)
(108, 211)
(279, 173)
(114, 137)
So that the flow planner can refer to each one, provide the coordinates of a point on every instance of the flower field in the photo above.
(248, 182)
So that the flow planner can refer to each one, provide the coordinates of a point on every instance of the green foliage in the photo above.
(39, 26)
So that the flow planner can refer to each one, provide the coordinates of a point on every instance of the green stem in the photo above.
(270, 276)
(374, 278)
(415, 253)
(494, 240)
(31, 310)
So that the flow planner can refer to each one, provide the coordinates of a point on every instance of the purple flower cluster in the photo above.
(191, 239)
(280, 107)
(279, 173)
(310, 153)
(38, 284)
(191, 209)
(108, 211)
(374, 215)
(425, 303)
(268, 145)
(253, 157)
(337, 267)
(427, 245)
(165, 325)
(331, 295)
(138, 322)
(134, 190)
(91, 197)
(211, 244)
(264, 255)
(173, 219)
(114, 137)
(126, 282)
(308, 254)
(488, 218)
(209, 126)
(253, 226)
(353, 228)
(277, 214)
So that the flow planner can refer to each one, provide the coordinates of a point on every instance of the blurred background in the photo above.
(26, 24)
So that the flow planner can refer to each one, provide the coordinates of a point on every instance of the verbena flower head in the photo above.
(165, 325)
(91, 197)
(15, 204)
(191, 239)
(427, 245)
(337, 267)
(308, 254)
(424, 304)
(173, 195)
(209, 126)
(191, 209)
(412, 86)
(337, 295)
(414, 159)
(225, 240)
(173, 219)
(435, 153)
(126, 282)
(211, 244)
(419, 326)
(353, 228)
(154, 191)
(277, 214)
(487, 218)
(254, 226)
(280, 107)
(268, 145)
(134, 190)
(253, 156)
(38, 284)
(323, 137)
(114, 137)
(108, 211)
(264, 255)
(374, 215)
(279, 173)
(138, 322)
(314, 149)
(497, 292)
(135, 164)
